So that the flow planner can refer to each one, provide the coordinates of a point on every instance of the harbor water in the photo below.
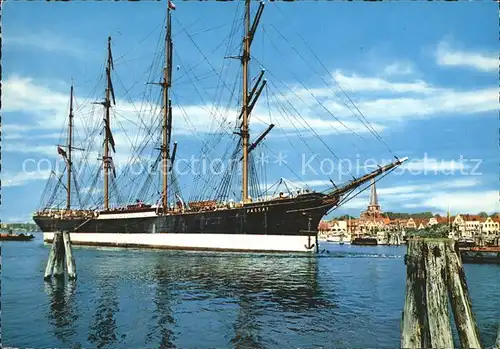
(347, 296)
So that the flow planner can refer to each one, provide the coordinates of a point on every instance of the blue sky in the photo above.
(424, 75)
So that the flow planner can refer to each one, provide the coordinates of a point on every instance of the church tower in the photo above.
(373, 210)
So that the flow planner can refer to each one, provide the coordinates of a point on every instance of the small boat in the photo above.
(481, 255)
(465, 243)
(365, 241)
(16, 237)
(340, 239)
(336, 240)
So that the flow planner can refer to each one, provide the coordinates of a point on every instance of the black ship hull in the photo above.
(278, 225)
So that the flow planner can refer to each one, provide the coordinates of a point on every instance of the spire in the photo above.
(373, 194)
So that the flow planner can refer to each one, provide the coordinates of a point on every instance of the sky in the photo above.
(422, 75)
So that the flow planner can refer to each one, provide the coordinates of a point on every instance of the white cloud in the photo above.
(390, 99)
(17, 219)
(357, 83)
(435, 196)
(420, 100)
(360, 202)
(22, 148)
(20, 136)
(428, 166)
(21, 178)
(448, 56)
(462, 201)
(21, 93)
(49, 42)
(411, 191)
(48, 109)
(14, 127)
(399, 68)
(312, 184)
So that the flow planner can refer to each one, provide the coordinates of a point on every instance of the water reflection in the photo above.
(103, 330)
(63, 313)
(289, 283)
(247, 327)
(257, 285)
(163, 310)
(188, 291)
(210, 300)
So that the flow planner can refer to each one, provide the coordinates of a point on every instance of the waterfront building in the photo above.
(458, 225)
(490, 226)
(373, 222)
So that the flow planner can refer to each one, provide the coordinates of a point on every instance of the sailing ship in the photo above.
(281, 222)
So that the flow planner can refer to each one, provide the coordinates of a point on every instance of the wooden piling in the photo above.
(497, 343)
(425, 317)
(50, 263)
(434, 253)
(460, 300)
(434, 273)
(59, 259)
(60, 255)
(70, 260)
(414, 326)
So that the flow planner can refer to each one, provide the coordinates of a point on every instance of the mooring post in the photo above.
(59, 259)
(50, 263)
(70, 260)
(414, 319)
(460, 300)
(60, 255)
(426, 321)
(437, 295)
(497, 343)
(434, 273)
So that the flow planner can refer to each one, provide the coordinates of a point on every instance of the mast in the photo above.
(167, 106)
(249, 99)
(245, 58)
(108, 138)
(449, 218)
(70, 144)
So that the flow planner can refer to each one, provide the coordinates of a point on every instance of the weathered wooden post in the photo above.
(59, 258)
(50, 263)
(425, 318)
(460, 300)
(61, 250)
(434, 273)
(414, 319)
(70, 261)
(497, 343)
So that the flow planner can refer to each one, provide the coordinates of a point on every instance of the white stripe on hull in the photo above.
(234, 242)
(127, 215)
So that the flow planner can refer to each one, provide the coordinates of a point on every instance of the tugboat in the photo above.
(365, 241)
(16, 237)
